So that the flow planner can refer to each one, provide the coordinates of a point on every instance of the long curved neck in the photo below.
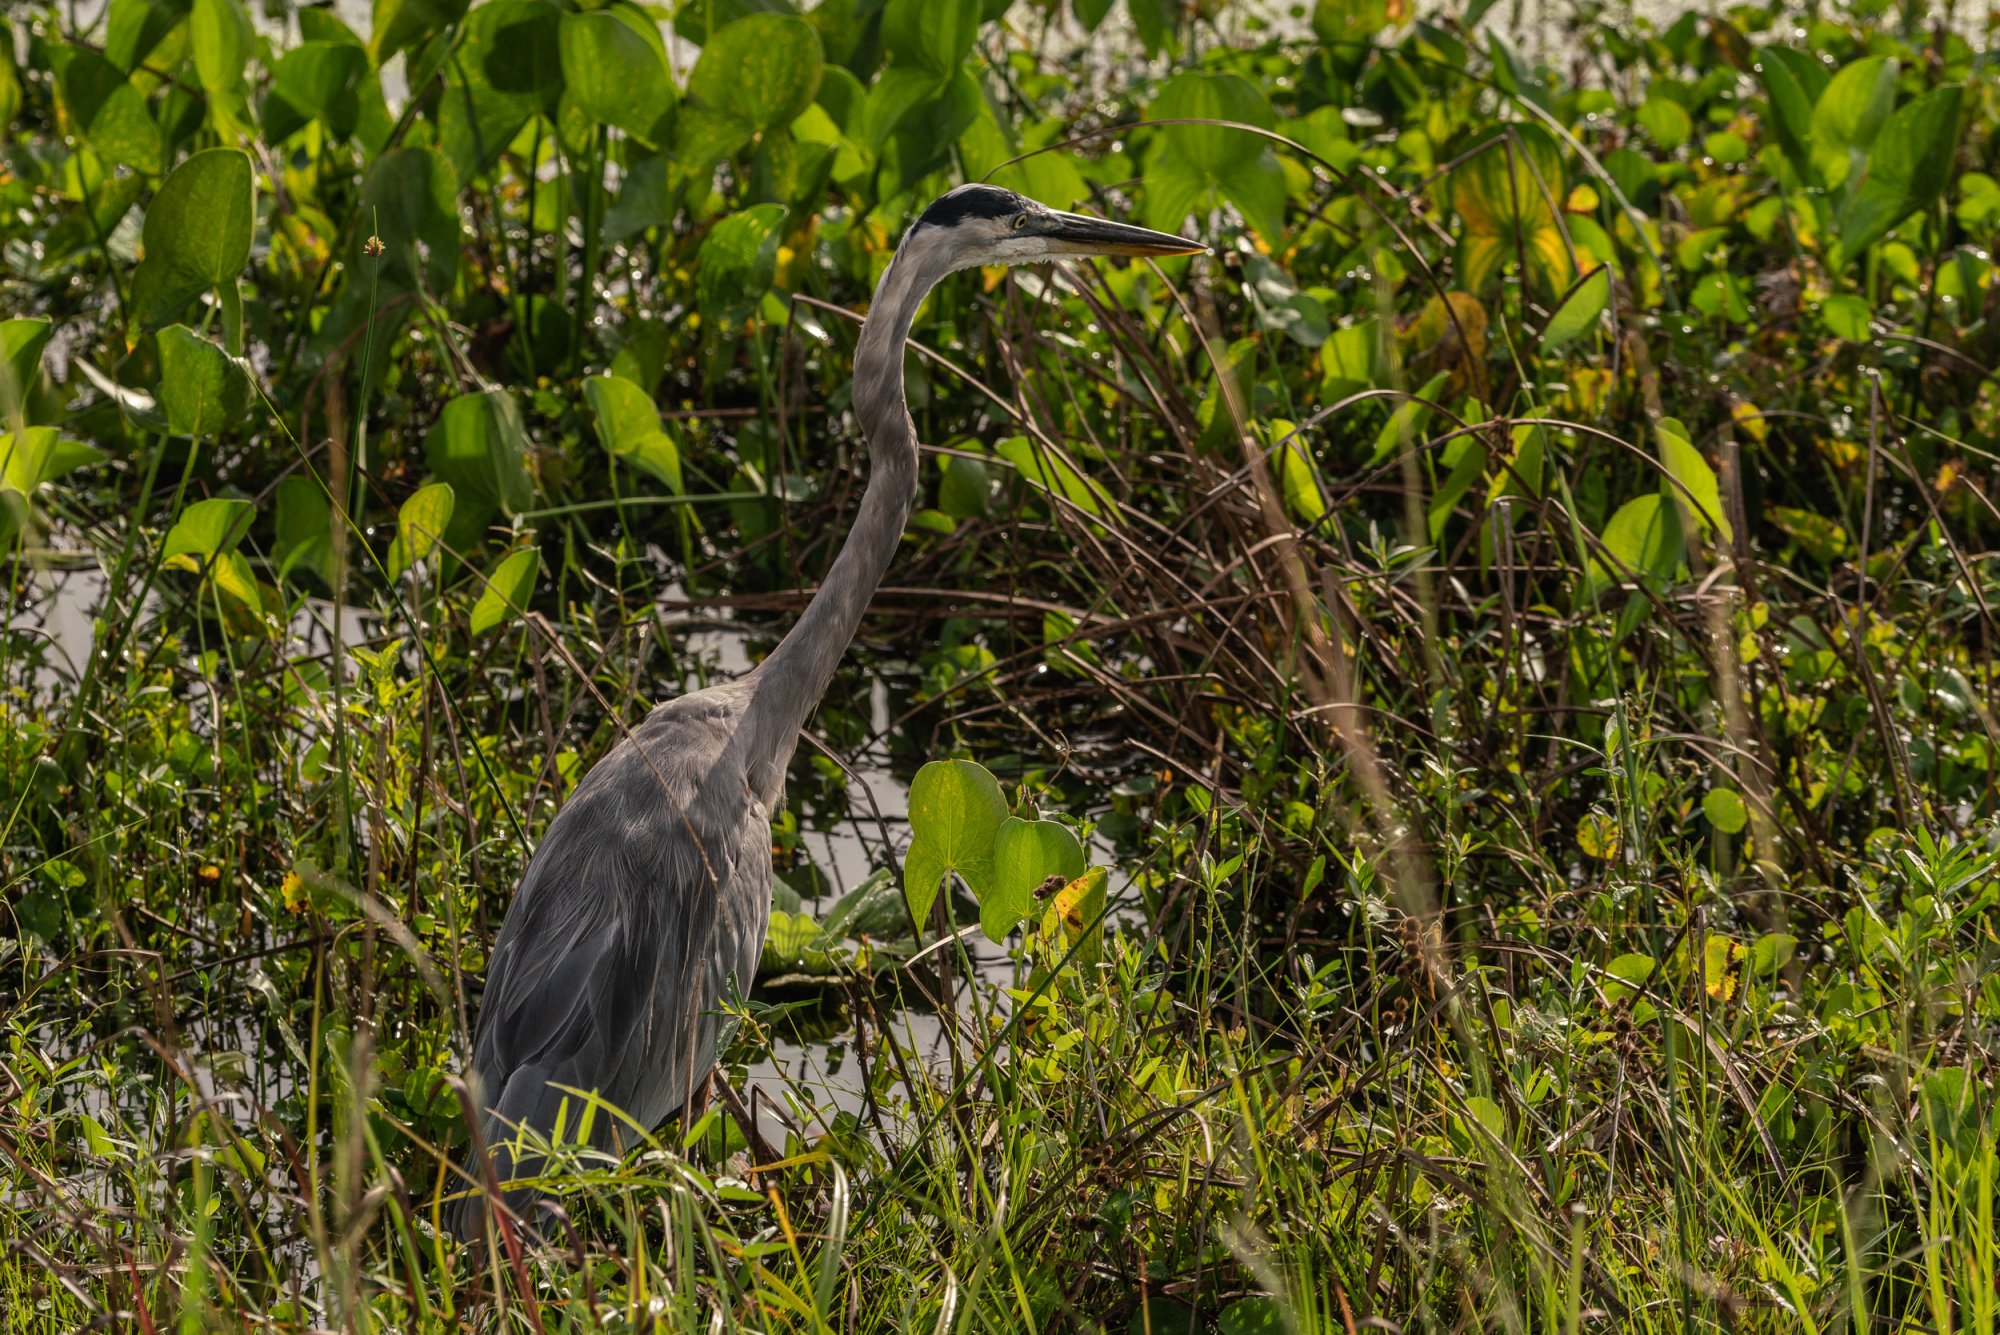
(789, 683)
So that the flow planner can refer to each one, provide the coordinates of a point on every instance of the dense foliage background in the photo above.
(1515, 621)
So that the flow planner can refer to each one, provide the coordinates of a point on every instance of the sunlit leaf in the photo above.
(739, 259)
(303, 529)
(1580, 310)
(628, 424)
(1644, 538)
(1046, 470)
(421, 524)
(1698, 489)
(480, 447)
(1025, 854)
(197, 233)
(1078, 913)
(508, 589)
(203, 390)
(955, 814)
(109, 111)
(615, 70)
(1725, 810)
(762, 70)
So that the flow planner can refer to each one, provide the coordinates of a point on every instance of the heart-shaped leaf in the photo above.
(480, 447)
(628, 423)
(21, 343)
(203, 390)
(109, 111)
(1580, 309)
(1025, 854)
(1697, 491)
(1645, 538)
(304, 529)
(1909, 166)
(1506, 196)
(615, 69)
(932, 35)
(206, 530)
(1078, 914)
(761, 70)
(955, 814)
(739, 259)
(197, 233)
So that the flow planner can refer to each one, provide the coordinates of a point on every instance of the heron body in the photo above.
(645, 905)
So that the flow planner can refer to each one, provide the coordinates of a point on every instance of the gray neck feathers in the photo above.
(789, 684)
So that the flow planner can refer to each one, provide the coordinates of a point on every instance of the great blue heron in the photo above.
(647, 899)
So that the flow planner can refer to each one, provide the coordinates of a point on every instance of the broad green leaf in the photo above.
(1191, 161)
(1078, 913)
(1025, 854)
(1848, 316)
(1507, 198)
(410, 195)
(508, 67)
(1407, 422)
(963, 487)
(874, 908)
(1298, 481)
(1725, 810)
(932, 35)
(396, 24)
(315, 81)
(1666, 120)
(480, 447)
(38, 454)
(206, 530)
(762, 70)
(1628, 974)
(1791, 106)
(1580, 310)
(109, 112)
(197, 233)
(220, 33)
(955, 813)
(613, 73)
(1351, 359)
(1684, 464)
(133, 28)
(1644, 536)
(203, 390)
(421, 523)
(1045, 470)
(1849, 114)
(739, 259)
(628, 425)
(507, 591)
(304, 529)
(1466, 456)
(21, 342)
(1909, 166)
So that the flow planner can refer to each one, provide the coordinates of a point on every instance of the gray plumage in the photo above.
(645, 905)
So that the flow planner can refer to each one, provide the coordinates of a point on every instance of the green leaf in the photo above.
(739, 259)
(410, 195)
(1666, 120)
(21, 342)
(1849, 114)
(1629, 973)
(628, 424)
(1025, 854)
(1297, 479)
(763, 70)
(197, 232)
(1587, 300)
(1725, 810)
(304, 529)
(109, 112)
(1191, 161)
(220, 33)
(1697, 490)
(206, 530)
(508, 67)
(1908, 167)
(613, 72)
(1645, 538)
(480, 447)
(315, 81)
(1791, 105)
(955, 814)
(964, 487)
(1848, 316)
(39, 454)
(203, 390)
(422, 521)
(1406, 424)
(935, 36)
(507, 590)
(1047, 471)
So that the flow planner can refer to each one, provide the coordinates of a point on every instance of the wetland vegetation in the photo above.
(1493, 666)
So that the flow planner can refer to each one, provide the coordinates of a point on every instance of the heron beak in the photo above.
(1076, 234)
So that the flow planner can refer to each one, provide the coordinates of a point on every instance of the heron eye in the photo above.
(1020, 221)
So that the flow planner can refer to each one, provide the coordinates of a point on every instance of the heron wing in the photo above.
(605, 965)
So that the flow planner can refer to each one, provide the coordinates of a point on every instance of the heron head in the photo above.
(985, 224)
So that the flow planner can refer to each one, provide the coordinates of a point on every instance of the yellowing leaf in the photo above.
(1597, 836)
(1507, 198)
(1718, 966)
